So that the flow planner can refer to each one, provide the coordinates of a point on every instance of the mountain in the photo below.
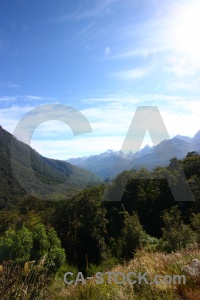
(196, 141)
(146, 150)
(49, 176)
(182, 137)
(177, 147)
(104, 165)
(111, 163)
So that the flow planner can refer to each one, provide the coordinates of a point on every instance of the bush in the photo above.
(23, 245)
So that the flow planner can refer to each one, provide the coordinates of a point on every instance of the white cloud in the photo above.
(193, 85)
(31, 97)
(11, 116)
(9, 85)
(110, 127)
(7, 98)
(102, 7)
(26, 98)
(183, 67)
(142, 51)
(110, 123)
(78, 146)
(136, 73)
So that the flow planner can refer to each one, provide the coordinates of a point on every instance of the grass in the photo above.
(152, 262)
(22, 283)
(19, 284)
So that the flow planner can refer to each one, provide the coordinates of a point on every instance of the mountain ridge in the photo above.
(46, 176)
(110, 163)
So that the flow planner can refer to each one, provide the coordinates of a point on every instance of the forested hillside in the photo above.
(49, 176)
(80, 232)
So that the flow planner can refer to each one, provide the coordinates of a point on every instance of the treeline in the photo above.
(87, 231)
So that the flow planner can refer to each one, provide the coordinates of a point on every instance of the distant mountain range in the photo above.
(110, 163)
(47, 175)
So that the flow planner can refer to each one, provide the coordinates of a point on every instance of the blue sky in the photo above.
(104, 58)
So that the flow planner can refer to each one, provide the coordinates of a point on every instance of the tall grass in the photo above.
(35, 283)
(20, 284)
(152, 262)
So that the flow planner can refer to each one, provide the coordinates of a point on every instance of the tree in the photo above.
(81, 224)
(40, 242)
(195, 219)
(20, 246)
(192, 153)
(56, 254)
(132, 236)
(16, 246)
(6, 245)
(174, 163)
(176, 235)
(23, 242)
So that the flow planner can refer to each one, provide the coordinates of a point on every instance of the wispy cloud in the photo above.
(82, 36)
(143, 51)
(79, 146)
(110, 123)
(84, 24)
(11, 116)
(7, 98)
(27, 98)
(110, 99)
(144, 99)
(183, 67)
(9, 85)
(96, 11)
(82, 13)
(32, 97)
(176, 85)
(135, 73)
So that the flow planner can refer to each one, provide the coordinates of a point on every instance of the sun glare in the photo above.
(186, 32)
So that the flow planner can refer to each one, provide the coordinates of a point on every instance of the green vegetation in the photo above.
(41, 239)
(50, 176)
(153, 263)
(176, 235)
(23, 245)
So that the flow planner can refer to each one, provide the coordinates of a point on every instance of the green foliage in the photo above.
(195, 219)
(16, 246)
(132, 236)
(82, 224)
(6, 245)
(150, 243)
(23, 245)
(64, 269)
(10, 219)
(191, 165)
(93, 232)
(55, 258)
(176, 235)
(47, 244)
(56, 254)
(46, 177)
(108, 261)
(40, 242)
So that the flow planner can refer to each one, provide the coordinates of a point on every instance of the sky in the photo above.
(104, 58)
